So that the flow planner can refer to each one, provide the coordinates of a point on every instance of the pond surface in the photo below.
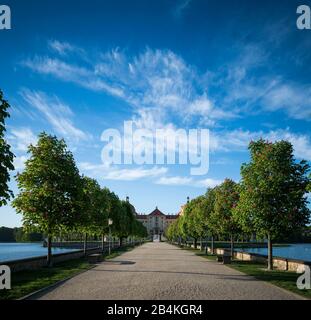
(17, 251)
(301, 251)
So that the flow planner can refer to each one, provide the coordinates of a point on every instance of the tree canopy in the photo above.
(6, 156)
(54, 198)
(49, 187)
(270, 201)
(273, 190)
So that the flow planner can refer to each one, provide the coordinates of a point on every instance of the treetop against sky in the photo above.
(75, 69)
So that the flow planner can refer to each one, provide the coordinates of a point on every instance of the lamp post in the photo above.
(110, 222)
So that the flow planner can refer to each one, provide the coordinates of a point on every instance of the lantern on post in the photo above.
(110, 222)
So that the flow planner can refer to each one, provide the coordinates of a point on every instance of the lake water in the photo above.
(16, 251)
(294, 251)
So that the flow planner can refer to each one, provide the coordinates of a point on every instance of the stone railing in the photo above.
(38, 262)
(279, 263)
(80, 244)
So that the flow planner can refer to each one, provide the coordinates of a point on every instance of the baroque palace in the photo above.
(157, 222)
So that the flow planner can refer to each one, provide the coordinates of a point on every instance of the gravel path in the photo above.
(162, 271)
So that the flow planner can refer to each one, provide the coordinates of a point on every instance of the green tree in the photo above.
(94, 210)
(226, 200)
(273, 199)
(22, 236)
(182, 226)
(127, 220)
(116, 213)
(192, 224)
(198, 221)
(50, 189)
(172, 232)
(139, 230)
(6, 156)
(210, 220)
(7, 234)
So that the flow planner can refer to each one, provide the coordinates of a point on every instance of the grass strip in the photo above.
(283, 279)
(26, 282)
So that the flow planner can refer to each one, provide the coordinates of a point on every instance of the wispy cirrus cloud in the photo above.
(61, 48)
(247, 85)
(157, 174)
(188, 181)
(156, 83)
(134, 174)
(64, 71)
(58, 114)
(238, 140)
(271, 94)
(294, 99)
(181, 7)
(159, 85)
(21, 138)
(163, 90)
(102, 171)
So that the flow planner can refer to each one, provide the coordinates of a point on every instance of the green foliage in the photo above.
(270, 200)
(6, 156)
(127, 222)
(226, 199)
(7, 234)
(18, 235)
(139, 229)
(210, 218)
(22, 236)
(50, 187)
(94, 209)
(272, 191)
(193, 220)
(116, 213)
(55, 199)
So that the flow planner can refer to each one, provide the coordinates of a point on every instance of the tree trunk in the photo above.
(201, 247)
(49, 256)
(195, 243)
(212, 245)
(270, 253)
(206, 246)
(232, 246)
(85, 244)
(121, 242)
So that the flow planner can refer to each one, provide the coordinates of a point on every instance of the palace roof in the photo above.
(157, 213)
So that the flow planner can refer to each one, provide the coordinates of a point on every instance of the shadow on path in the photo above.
(220, 276)
(115, 262)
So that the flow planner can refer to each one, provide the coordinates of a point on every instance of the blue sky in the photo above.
(76, 68)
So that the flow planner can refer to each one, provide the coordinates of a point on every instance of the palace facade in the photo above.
(156, 222)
